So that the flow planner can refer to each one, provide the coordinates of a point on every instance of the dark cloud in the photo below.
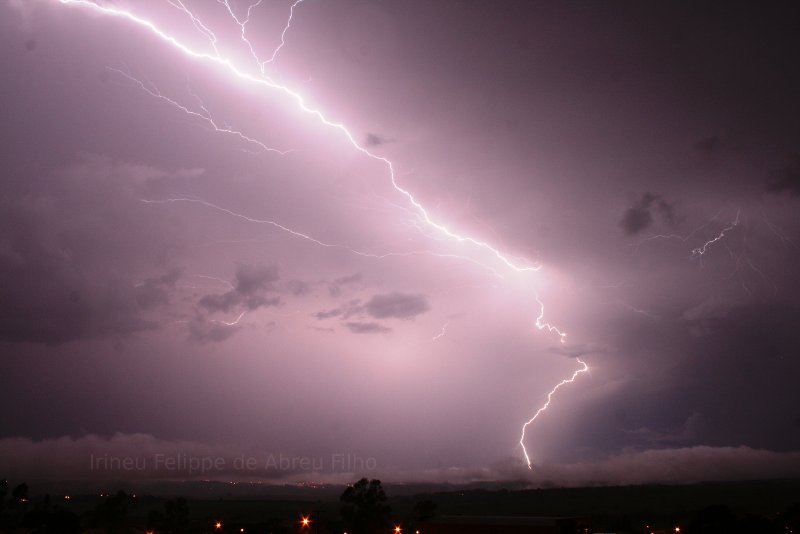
(639, 216)
(203, 331)
(335, 287)
(635, 220)
(377, 140)
(666, 210)
(223, 302)
(397, 305)
(391, 305)
(67, 459)
(249, 288)
(298, 287)
(350, 279)
(70, 273)
(678, 465)
(155, 291)
(578, 350)
(253, 278)
(253, 302)
(327, 314)
(688, 432)
(345, 311)
(787, 180)
(367, 328)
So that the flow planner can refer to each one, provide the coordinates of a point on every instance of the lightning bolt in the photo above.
(263, 80)
(699, 251)
(283, 33)
(687, 236)
(441, 334)
(301, 104)
(779, 233)
(542, 325)
(234, 322)
(544, 407)
(204, 115)
(324, 244)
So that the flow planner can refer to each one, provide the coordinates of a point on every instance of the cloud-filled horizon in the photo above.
(191, 261)
(142, 457)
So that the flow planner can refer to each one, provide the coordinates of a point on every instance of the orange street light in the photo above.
(397, 529)
(305, 521)
(218, 525)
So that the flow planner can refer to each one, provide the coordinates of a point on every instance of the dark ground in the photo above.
(760, 504)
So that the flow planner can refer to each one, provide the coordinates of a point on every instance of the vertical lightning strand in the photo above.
(283, 33)
(242, 23)
(298, 99)
(542, 325)
(544, 407)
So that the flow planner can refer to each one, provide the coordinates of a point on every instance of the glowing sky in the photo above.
(168, 284)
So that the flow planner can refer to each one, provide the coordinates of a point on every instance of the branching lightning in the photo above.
(300, 102)
(699, 251)
(203, 114)
(320, 243)
(262, 79)
(544, 407)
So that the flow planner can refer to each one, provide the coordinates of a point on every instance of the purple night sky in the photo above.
(190, 263)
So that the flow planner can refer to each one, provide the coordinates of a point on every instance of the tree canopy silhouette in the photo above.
(364, 507)
(112, 514)
(3, 492)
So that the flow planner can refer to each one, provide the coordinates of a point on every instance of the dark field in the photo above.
(754, 506)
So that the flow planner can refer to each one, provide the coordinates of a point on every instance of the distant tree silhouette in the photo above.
(112, 514)
(40, 517)
(364, 507)
(425, 510)
(63, 522)
(758, 523)
(715, 519)
(174, 518)
(790, 518)
(422, 511)
(37, 517)
(155, 520)
(3, 493)
(20, 493)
